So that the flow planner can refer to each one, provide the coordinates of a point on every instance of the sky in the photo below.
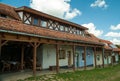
(102, 17)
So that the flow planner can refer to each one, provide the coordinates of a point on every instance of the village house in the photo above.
(30, 39)
(111, 53)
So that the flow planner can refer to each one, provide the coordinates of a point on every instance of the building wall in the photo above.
(99, 58)
(109, 59)
(106, 58)
(49, 56)
(89, 56)
(116, 57)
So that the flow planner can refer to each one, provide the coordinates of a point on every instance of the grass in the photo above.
(111, 73)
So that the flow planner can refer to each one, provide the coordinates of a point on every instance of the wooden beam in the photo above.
(0, 46)
(85, 57)
(57, 58)
(95, 57)
(107, 58)
(34, 58)
(111, 58)
(4, 43)
(22, 57)
(73, 57)
(103, 57)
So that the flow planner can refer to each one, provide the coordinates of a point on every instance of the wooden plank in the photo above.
(57, 58)
(0, 46)
(95, 56)
(34, 58)
(111, 59)
(73, 57)
(85, 58)
(107, 58)
(103, 57)
(22, 57)
(4, 43)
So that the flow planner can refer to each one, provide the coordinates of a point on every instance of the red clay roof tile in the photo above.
(8, 10)
(15, 25)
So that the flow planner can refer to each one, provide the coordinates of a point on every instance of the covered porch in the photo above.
(25, 49)
(20, 52)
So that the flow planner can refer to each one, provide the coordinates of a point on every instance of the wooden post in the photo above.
(111, 58)
(22, 57)
(74, 57)
(34, 58)
(103, 57)
(57, 58)
(34, 45)
(85, 58)
(107, 58)
(95, 57)
(0, 46)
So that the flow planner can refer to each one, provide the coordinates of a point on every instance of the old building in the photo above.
(35, 40)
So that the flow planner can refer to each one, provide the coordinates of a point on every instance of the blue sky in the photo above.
(102, 17)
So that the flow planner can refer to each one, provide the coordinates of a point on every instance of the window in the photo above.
(113, 46)
(3, 15)
(35, 21)
(62, 54)
(43, 23)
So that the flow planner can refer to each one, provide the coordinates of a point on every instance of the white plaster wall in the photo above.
(116, 57)
(99, 62)
(64, 62)
(20, 14)
(49, 56)
(109, 59)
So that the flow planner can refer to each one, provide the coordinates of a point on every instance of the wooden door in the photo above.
(69, 58)
(113, 59)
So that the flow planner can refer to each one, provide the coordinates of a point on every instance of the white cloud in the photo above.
(59, 8)
(73, 14)
(93, 30)
(115, 41)
(99, 3)
(117, 27)
(113, 34)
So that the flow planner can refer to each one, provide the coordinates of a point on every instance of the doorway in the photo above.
(69, 58)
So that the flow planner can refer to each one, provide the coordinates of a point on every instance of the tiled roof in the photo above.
(8, 10)
(116, 49)
(18, 26)
(108, 46)
(105, 41)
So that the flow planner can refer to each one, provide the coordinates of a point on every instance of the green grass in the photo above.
(111, 73)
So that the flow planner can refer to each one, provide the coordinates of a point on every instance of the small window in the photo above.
(35, 21)
(62, 54)
(3, 15)
(43, 23)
